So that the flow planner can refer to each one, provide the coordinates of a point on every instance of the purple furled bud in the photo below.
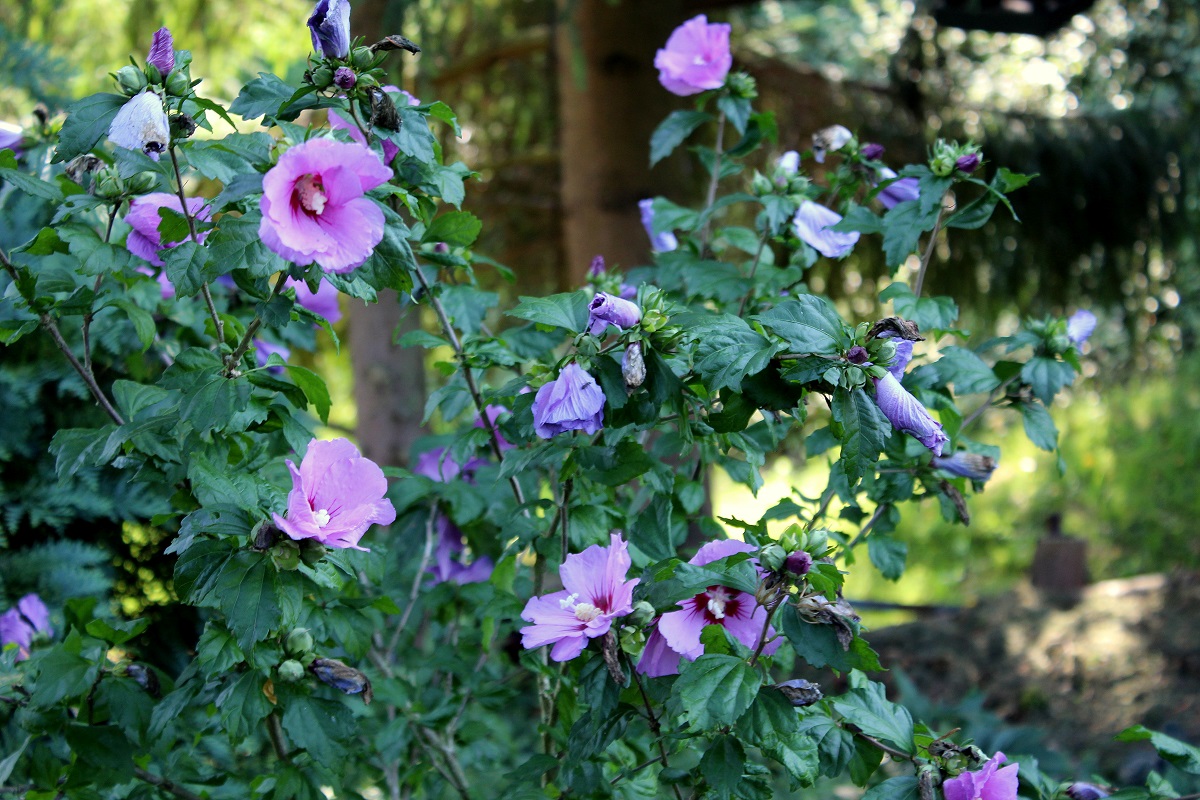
(573, 402)
(798, 562)
(162, 52)
(344, 78)
(966, 465)
(1080, 326)
(606, 309)
(858, 355)
(1085, 791)
(897, 191)
(21, 623)
(907, 415)
(330, 28)
(441, 248)
(871, 151)
(812, 224)
(968, 163)
(597, 267)
(659, 242)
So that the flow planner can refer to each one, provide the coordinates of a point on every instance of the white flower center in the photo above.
(699, 61)
(584, 612)
(311, 193)
(718, 596)
(322, 516)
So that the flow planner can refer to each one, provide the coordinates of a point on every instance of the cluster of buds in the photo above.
(106, 182)
(950, 157)
(742, 86)
(795, 551)
(286, 554)
(163, 69)
(298, 646)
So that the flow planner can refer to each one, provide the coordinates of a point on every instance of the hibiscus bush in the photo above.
(542, 605)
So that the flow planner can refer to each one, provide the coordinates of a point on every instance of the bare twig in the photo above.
(275, 730)
(416, 584)
(716, 178)
(928, 255)
(167, 786)
(235, 358)
(880, 510)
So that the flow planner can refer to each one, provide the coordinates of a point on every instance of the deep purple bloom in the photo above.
(1080, 326)
(594, 593)
(267, 349)
(21, 623)
(344, 78)
(447, 563)
(605, 310)
(663, 242)
(144, 241)
(858, 355)
(871, 151)
(986, 783)
(572, 402)
(11, 138)
(966, 465)
(339, 122)
(968, 163)
(336, 495)
(696, 57)
(162, 51)
(596, 268)
(323, 301)
(1085, 791)
(904, 349)
(907, 415)
(812, 223)
(330, 28)
(314, 208)
(141, 124)
(677, 634)
(897, 191)
(798, 562)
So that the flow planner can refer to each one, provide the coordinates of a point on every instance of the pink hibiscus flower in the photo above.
(986, 783)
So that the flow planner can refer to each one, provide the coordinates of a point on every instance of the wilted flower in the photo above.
(986, 783)
(339, 122)
(800, 692)
(11, 138)
(594, 593)
(904, 349)
(572, 402)
(1085, 791)
(677, 634)
(829, 140)
(22, 622)
(897, 191)
(330, 28)
(605, 310)
(871, 151)
(812, 224)
(162, 52)
(967, 163)
(966, 465)
(447, 566)
(633, 366)
(696, 57)
(323, 301)
(663, 242)
(907, 415)
(336, 495)
(1080, 326)
(314, 208)
(144, 241)
(141, 124)
(343, 677)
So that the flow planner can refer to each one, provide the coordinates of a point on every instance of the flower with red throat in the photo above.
(314, 205)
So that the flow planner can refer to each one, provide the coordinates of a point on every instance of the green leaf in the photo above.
(187, 267)
(117, 632)
(143, 321)
(197, 566)
(930, 313)
(96, 257)
(1039, 425)
(714, 690)
(414, 138)
(737, 111)
(671, 132)
(319, 726)
(614, 466)
(390, 266)
(888, 554)
(235, 244)
(902, 787)
(568, 310)
(722, 766)
(861, 219)
(34, 187)
(809, 324)
(1046, 376)
(87, 121)
(728, 349)
(875, 715)
(101, 746)
(217, 651)
(467, 306)
(650, 530)
(865, 431)
(772, 725)
(903, 226)
(242, 704)
(1179, 754)
(215, 485)
(10, 761)
(212, 400)
(457, 229)
(819, 646)
(835, 746)
(62, 674)
(266, 95)
(966, 371)
(314, 388)
(245, 590)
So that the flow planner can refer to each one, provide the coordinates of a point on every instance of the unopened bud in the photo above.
(858, 355)
(131, 80)
(178, 84)
(633, 366)
(642, 613)
(286, 555)
(291, 671)
(108, 184)
(344, 78)
(761, 185)
(772, 557)
(871, 151)
(798, 562)
(141, 183)
(967, 163)
(152, 74)
(312, 551)
(741, 84)
(298, 642)
(342, 677)
(321, 77)
(800, 692)
(362, 58)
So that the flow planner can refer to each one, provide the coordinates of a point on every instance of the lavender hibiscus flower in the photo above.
(907, 415)
(1080, 326)
(144, 241)
(314, 208)
(605, 310)
(897, 191)
(812, 224)
(663, 242)
(696, 57)
(594, 593)
(21, 623)
(162, 52)
(330, 28)
(904, 350)
(966, 465)
(141, 124)
(437, 465)
(572, 402)
(11, 138)
(447, 566)
(677, 634)
(323, 301)
(987, 783)
(336, 495)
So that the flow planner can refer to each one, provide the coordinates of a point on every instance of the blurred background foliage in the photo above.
(1101, 109)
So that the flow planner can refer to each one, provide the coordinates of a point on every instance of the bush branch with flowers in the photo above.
(542, 605)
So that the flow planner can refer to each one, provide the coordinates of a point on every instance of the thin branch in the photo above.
(762, 245)
(891, 751)
(235, 358)
(925, 259)
(630, 773)
(712, 184)
(880, 510)
(416, 584)
(762, 636)
(977, 413)
(218, 326)
(655, 728)
(90, 315)
(275, 730)
(167, 786)
(566, 531)
(826, 499)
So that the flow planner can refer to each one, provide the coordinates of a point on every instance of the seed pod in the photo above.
(291, 671)
(299, 642)
(633, 366)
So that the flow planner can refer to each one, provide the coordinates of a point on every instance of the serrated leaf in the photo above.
(865, 431)
(235, 243)
(869, 709)
(671, 132)
(714, 690)
(314, 388)
(835, 746)
(116, 632)
(217, 650)
(88, 120)
(968, 373)
(456, 228)
(143, 321)
(244, 587)
(568, 310)
(1179, 754)
(61, 674)
(728, 349)
(809, 324)
(722, 766)
(319, 726)
(930, 313)
(888, 554)
(902, 787)
(1046, 376)
(243, 704)
(1039, 426)
(264, 95)
(819, 646)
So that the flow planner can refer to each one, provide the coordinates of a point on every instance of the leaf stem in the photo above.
(977, 413)
(416, 584)
(85, 328)
(716, 177)
(880, 510)
(762, 245)
(275, 731)
(928, 255)
(162, 783)
(235, 358)
(891, 751)
(566, 531)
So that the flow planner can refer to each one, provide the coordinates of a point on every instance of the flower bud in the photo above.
(148, 679)
(772, 557)
(286, 555)
(653, 321)
(311, 552)
(362, 58)
(858, 355)
(817, 541)
(321, 77)
(344, 78)
(800, 692)
(152, 74)
(741, 84)
(761, 185)
(162, 54)
(942, 162)
(131, 80)
(871, 151)
(298, 642)
(1085, 791)
(441, 248)
(291, 671)
(798, 562)
(108, 184)
(967, 163)
(179, 84)
(141, 183)
(633, 366)
(642, 613)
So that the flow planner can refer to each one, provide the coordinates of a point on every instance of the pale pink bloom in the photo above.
(696, 57)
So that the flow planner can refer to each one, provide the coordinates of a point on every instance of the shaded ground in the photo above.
(1122, 652)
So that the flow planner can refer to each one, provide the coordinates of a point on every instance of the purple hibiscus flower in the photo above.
(141, 124)
(447, 566)
(813, 222)
(162, 51)
(897, 191)
(572, 402)
(696, 57)
(314, 208)
(339, 122)
(659, 242)
(437, 465)
(907, 415)
(1080, 326)
(323, 301)
(11, 138)
(986, 783)
(267, 349)
(493, 414)
(336, 495)
(904, 350)
(677, 634)
(22, 622)
(605, 310)
(330, 28)
(966, 465)
(144, 241)
(594, 593)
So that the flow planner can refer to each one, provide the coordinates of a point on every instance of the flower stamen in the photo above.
(311, 194)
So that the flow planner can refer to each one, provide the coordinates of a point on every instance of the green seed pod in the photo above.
(312, 551)
(772, 557)
(141, 183)
(291, 671)
(299, 642)
(761, 185)
(131, 80)
(361, 58)
(322, 77)
(286, 556)
(178, 84)
(642, 613)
